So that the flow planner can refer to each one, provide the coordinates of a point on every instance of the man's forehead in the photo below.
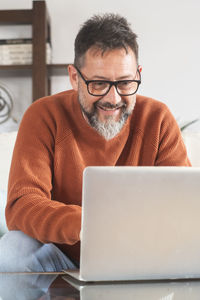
(96, 51)
(113, 64)
(97, 54)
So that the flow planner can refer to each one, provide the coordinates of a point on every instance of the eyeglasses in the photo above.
(102, 87)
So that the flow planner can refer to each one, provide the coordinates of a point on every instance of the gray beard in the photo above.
(108, 129)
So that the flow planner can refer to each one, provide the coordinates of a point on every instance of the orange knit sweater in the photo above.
(54, 145)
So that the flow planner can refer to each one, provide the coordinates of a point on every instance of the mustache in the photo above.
(110, 105)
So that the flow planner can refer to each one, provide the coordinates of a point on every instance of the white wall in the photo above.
(169, 39)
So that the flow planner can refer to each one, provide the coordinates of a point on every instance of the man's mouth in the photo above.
(109, 111)
(108, 108)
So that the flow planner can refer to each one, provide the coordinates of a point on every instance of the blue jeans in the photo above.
(21, 253)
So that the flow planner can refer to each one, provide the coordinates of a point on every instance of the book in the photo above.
(20, 54)
(20, 61)
(17, 41)
(7, 48)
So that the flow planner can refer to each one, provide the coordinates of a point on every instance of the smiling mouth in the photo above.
(108, 109)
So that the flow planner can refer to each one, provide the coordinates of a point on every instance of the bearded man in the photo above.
(100, 122)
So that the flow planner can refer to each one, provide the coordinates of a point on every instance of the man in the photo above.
(100, 122)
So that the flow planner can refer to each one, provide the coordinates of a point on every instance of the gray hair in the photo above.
(105, 32)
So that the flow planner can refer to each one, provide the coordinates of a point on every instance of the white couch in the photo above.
(7, 140)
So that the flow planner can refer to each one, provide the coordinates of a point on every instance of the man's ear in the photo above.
(73, 76)
(139, 72)
(140, 68)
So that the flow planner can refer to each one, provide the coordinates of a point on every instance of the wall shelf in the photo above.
(52, 69)
(41, 33)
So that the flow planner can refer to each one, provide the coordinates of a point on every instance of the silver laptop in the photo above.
(140, 223)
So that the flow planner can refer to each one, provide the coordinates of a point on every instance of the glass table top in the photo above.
(45, 286)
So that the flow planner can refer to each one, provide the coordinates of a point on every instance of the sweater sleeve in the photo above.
(171, 149)
(30, 207)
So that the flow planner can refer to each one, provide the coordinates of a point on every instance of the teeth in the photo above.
(107, 109)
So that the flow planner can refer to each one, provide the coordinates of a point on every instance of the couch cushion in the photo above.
(3, 227)
(7, 141)
(192, 142)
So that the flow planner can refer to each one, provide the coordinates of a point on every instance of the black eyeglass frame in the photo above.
(111, 83)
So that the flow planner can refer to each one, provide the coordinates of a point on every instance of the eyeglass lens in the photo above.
(123, 87)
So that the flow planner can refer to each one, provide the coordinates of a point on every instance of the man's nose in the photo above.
(113, 97)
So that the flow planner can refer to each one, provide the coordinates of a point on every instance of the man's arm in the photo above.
(30, 207)
(171, 150)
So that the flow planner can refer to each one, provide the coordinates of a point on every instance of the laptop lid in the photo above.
(140, 223)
